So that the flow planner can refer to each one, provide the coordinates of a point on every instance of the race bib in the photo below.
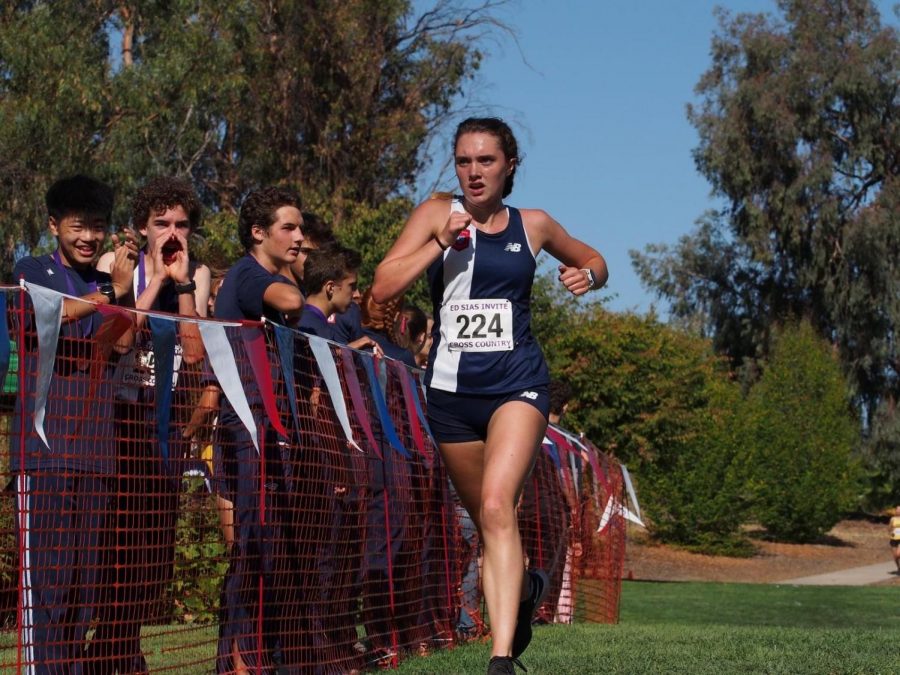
(478, 325)
(140, 370)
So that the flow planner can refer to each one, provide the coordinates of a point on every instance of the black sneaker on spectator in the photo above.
(540, 584)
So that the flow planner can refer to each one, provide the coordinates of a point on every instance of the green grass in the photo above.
(715, 629)
(695, 628)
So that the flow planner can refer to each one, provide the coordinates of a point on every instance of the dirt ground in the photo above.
(852, 543)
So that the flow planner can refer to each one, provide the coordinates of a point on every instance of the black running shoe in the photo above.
(540, 584)
(504, 665)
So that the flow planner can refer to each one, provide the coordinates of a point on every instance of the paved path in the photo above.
(855, 576)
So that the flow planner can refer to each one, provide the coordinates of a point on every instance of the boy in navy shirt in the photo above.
(63, 496)
(255, 287)
(330, 281)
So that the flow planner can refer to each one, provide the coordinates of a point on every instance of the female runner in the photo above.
(487, 380)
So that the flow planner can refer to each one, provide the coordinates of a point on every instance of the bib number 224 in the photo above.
(479, 325)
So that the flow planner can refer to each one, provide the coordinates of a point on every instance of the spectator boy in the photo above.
(330, 281)
(166, 212)
(63, 486)
(255, 287)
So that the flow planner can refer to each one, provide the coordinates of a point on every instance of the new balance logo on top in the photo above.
(532, 395)
(514, 247)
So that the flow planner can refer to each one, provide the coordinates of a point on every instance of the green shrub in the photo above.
(664, 405)
(799, 433)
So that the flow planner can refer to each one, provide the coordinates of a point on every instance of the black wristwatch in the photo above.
(592, 281)
(189, 287)
(108, 290)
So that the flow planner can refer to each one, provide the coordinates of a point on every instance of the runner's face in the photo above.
(80, 238)
(161, 228)
(481, 167)
(282, 239)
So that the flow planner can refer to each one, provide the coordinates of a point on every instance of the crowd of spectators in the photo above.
(97, 512)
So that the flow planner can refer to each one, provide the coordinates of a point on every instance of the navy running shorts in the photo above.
(459, 418)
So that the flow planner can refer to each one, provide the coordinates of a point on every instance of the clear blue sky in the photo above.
(598, 104)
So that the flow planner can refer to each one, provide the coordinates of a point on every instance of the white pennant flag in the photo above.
(607, 514)
(613, 504)
(48, 305)
(325, 360)
(632, 496)
(221, 359)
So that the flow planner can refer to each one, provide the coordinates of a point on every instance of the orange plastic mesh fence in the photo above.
(265, 500)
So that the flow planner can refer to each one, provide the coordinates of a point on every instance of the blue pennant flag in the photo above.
(381, 405)
(423, 419)
(284, 338)
(163, 332)
(552, 451)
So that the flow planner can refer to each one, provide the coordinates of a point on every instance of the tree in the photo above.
(799, 435)
(36, 145)
(337, 99)
(800, 137)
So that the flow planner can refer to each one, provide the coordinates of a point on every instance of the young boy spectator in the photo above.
(64, 486)
(330, 281)
(255, 287)
(165, 212)
(333, 483)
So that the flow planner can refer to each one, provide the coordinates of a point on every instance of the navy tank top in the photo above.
(481, 294)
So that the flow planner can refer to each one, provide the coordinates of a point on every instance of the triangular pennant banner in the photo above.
(552, 451)
(255, 344)
(116, 322)
(284, 339)
(601, 468)
(348, 365)
(409, 395)
(221, 359)
(321, 350)
(629, 515)
(632, 497)
(48, 306)
(162, 332)
(567, 452)
(607, 514)
(423, 418)
(380, 368)
(387, 425)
